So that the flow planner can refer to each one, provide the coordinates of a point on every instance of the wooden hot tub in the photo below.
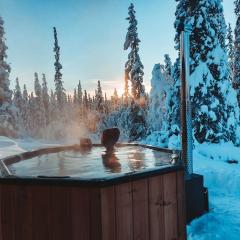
(69, 193)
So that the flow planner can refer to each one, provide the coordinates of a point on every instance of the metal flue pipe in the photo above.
(186, 113)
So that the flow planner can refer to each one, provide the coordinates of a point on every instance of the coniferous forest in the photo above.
(215, 88)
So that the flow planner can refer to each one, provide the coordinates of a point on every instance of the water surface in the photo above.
(92, 163)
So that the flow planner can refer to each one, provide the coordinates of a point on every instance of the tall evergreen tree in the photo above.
(230, 50)
(126, 87)
(134, 73)
(85, 100)
(173, 108)
(75, 97)
(215, 118)
(174, 99)
(39, 111)
(168, 64)
(115, 99)
(59, 89)
(45, 97)
(17, 96)
(17, 102)
(7, 117)
(79, 93)
(25, 111)
(236, 66)
(90, 102)
(106, 104)
(181, 14)
(133, 67)
(157, 108)
(99, 97)
(31, 101)
(37, 86)
(53, 112)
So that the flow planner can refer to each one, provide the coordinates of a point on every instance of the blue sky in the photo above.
(91, 36)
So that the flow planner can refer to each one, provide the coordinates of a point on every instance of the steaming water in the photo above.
(92, 163)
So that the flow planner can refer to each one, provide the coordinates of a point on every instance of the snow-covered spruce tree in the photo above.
(17, 102)
(236, 65)
(134, 73)
(99, 98)
(75, 105)
(59, 89)
(159, 89)
(90, 102)
(85, 101)
(75, 97)
(79, 99)
(167, 64)
(134, 66)
(53, 112)
(173, 102)
(230, 50)
(25, 111)
(39, 111)
(115, 99)
(215, 111)
(138, 124)
(164, 107)
(17, 96)
(79, 93)
(31, 103)
(126, 88)
(180, 18)
(106, 104)
(45, 97)
(173, 97)
(7, 111)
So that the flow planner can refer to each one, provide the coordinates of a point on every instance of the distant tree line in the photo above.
(215, 88)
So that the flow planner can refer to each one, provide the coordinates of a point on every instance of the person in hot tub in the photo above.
(109, 139)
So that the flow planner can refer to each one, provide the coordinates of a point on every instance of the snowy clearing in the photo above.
(222, 180)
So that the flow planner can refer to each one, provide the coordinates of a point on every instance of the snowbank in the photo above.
(14, 146)
(223, 181)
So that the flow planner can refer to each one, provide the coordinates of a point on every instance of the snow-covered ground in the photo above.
(221, 178)
(223, 182)
(10, 147)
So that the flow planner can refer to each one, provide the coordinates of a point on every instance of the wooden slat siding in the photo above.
(140, 210)
(60, 213)
(170, 206)
(95, 214)
(108, 213)
(124, 220)
(41, 209)
(80, 209)
(181, 206)
(156, 211)
(23, 200)
(119, 212)
(8, 207)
